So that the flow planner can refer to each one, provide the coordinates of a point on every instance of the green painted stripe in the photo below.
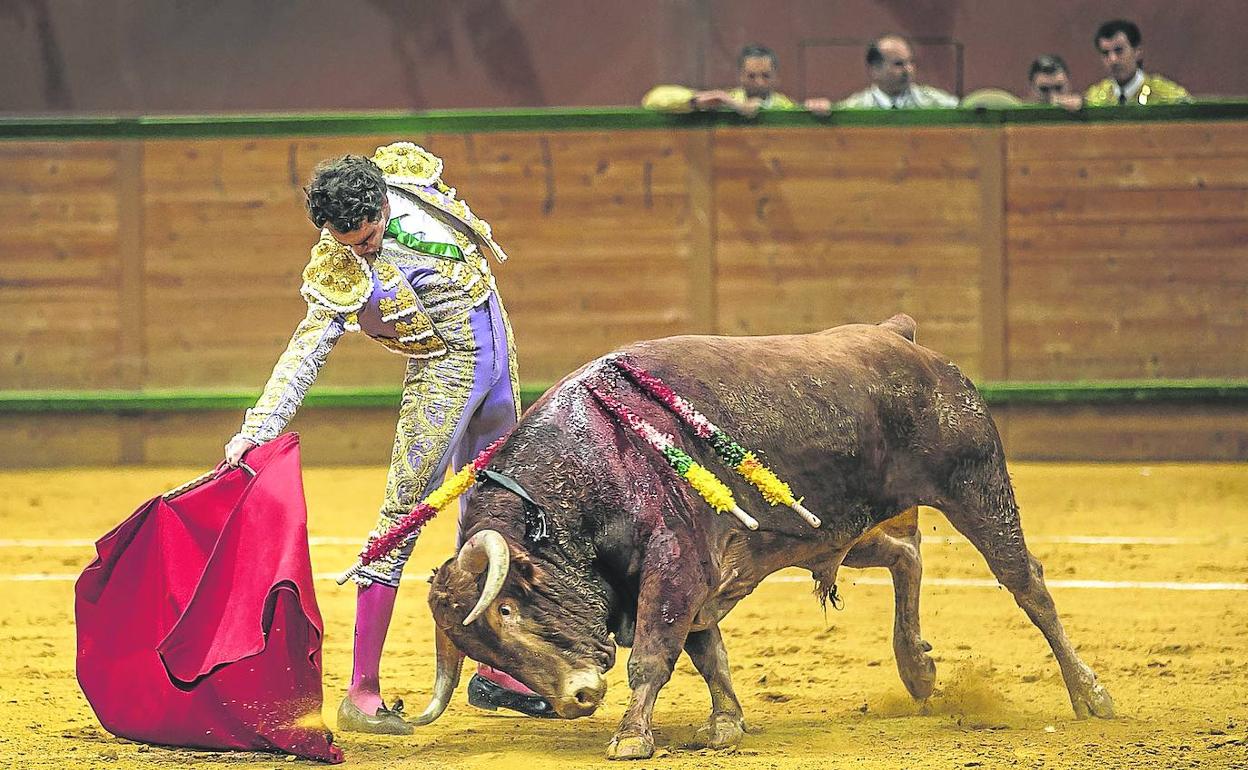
(995, 393)
(564, 119)
(183, 400)
(1204, 391)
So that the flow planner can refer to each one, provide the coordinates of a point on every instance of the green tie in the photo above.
(432, 248)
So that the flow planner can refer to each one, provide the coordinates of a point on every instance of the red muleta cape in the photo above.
(197, 622)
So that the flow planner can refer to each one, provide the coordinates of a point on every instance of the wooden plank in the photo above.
(131, 307)
(1219, 172)
(1127, 140)
(700, 162)
(848, 153)
(1036, 240)
(1128, 255)
(1127, 207)
(327, 437)
(994, 330)
(815, 229)
(60, 440)
(1153, 432)
(59, 291)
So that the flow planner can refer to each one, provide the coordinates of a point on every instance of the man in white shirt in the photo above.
(890, 67)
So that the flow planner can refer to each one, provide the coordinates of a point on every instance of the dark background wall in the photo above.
(157, 56)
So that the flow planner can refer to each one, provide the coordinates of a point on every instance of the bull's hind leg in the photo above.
(727, 723)
(981, 506)
(895, 544)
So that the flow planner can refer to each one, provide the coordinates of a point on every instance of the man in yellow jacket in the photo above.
(758, 72)
(1123, 56)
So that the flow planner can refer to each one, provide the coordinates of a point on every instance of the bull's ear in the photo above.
(446, 587)
(521, 562)
(527, 572)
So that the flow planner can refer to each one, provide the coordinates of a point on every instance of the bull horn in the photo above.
(450, 662)
(487, 548)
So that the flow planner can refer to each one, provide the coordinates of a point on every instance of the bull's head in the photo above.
(546, 627)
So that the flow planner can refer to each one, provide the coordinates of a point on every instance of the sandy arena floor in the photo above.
(1169, 639)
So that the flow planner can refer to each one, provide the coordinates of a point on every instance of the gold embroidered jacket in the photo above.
(1153, 90)
(342, 289)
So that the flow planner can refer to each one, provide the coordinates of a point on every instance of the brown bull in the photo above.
(859, 419)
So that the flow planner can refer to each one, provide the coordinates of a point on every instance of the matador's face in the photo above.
(365, 240)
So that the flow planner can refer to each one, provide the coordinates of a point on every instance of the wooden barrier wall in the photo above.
(1053, 252)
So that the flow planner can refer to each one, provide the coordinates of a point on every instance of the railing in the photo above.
(559, 119)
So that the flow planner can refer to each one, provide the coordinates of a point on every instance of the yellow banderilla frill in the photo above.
(716, 493)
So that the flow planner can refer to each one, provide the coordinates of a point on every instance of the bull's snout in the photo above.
(582, 693)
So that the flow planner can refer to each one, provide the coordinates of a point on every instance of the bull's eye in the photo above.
(505, 611)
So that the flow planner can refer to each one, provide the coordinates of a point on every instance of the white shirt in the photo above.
(416, 220)
(916, 96)
(1132, 87)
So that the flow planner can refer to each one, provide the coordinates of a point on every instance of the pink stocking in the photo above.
(374, 606)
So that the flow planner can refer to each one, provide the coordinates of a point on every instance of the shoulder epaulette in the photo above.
(408, 163)
(335, 277)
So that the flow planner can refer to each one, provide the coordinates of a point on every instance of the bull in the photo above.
(590, 540)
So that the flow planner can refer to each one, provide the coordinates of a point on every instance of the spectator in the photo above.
(890, 67)
(1123, 56)
(758, 72)
(1050, 82)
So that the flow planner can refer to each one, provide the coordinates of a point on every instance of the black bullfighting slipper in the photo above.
(491, 696)
(387, 721)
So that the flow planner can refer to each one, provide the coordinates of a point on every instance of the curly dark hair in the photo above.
(346, 192)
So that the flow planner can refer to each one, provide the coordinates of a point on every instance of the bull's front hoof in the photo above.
(631, 747)
(917, 669)
(1096, 702)
(720, 732)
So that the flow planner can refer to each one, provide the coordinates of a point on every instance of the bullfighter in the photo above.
(403, 260)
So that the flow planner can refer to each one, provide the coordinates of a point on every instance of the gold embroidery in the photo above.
(464, 243)
(293, 375)
(335, 277)
(473, 279)
(387, 274)
(410, 163)
(435, 396)
(418, 327)
(430, 347)
(403, 303)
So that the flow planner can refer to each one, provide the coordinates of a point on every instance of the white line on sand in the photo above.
(1110, 585)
